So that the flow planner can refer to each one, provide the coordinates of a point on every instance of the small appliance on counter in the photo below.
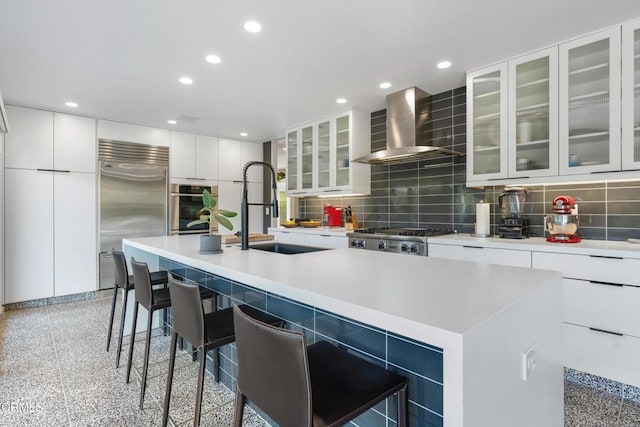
(513, 224)
(563, 223)
(332, 216)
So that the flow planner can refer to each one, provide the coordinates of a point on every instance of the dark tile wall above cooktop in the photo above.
(433, 194)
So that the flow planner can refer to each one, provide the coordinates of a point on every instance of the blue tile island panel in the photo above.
(421, 363)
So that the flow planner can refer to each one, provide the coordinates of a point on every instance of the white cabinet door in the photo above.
(631, 95)
(288, 237)
(589, 123)
(230, 158)
(206, 157)
(74, 143)
(326, 241)
(250, 152)
(133, 133)
(29, 144)
(487, 135)
(29, 234)
(75, 233)
(230, 198)
(182, 155)
(481, 254)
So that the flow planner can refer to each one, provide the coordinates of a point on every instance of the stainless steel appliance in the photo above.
(513, 224)
(132, 197)
(185, 202)
(412, 241)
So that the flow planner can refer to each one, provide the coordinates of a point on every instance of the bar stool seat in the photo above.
(125, 281)
(298, 386)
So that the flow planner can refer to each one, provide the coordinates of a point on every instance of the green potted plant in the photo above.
(212, 243)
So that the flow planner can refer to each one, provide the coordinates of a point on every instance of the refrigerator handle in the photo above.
(105, 254)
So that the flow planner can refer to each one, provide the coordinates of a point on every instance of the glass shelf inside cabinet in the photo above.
(636, 96)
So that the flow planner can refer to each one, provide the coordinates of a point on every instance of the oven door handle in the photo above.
(187, 194)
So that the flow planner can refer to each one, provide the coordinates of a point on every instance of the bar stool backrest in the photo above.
(121, 273)
(188, 314)
(142, 283)
(273, 371)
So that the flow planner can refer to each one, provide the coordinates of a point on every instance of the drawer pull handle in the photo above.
(325, 235)
(606, 257)
(606, 332)
(598, 282)
(472, 247)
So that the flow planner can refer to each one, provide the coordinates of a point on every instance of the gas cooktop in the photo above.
(411, 241)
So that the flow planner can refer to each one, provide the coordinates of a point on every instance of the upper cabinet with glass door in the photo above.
(292, 160)
(307, 157)
(324, 131)
(631, 95)
(590, 104)
(487, 123)
(533, 114)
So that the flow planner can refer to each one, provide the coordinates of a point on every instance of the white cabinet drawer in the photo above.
(603, 269)
(602, 354)
(326, 241)
(609, 307)
(288, 237)
(481, 254)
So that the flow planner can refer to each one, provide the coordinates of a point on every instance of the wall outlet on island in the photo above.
(529, 361)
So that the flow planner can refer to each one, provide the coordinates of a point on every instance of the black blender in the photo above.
(513, 224)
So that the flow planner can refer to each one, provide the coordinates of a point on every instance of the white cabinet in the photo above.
(74, 143)
(631, 95)
(319, 156)
(253, 152)
(233, 155)
(288, 237)
(590, 103)
(193, 157)
(29, 145)
(310, 238)
(133, 133)
(74, 231)
(477, 253)
(601, 313)
(28, 233)
(230, 198)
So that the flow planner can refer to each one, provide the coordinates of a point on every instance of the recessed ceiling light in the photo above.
(71, 104)
(171, 122)
(185, 80)
(213, 59)
(252, 26)
(341, 101)
(244, 134)
(385, 85)
(444, 64)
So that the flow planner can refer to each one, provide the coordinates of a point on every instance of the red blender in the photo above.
(563, 224)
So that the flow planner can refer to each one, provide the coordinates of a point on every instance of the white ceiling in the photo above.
(121, 59)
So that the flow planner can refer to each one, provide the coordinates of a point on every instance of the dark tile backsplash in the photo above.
(433, 193)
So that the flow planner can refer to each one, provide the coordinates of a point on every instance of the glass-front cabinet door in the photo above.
(487, 123)
(343, 142)
(324, 154)
(631, 95)
(292, 160)
(533, 114)
(307, 157)
(590, 104)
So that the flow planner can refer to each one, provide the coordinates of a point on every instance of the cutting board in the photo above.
(253, 237)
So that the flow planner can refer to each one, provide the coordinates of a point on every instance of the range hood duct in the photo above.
(409, 133)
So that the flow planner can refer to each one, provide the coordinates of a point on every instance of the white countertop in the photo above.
(539, 244)
(329, 231)
(430, 300)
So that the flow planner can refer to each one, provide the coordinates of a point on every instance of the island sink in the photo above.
(285, 248)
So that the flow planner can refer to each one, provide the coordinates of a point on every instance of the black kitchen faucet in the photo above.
(244, 209)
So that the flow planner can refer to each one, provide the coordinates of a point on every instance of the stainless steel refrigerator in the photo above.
(133, 195)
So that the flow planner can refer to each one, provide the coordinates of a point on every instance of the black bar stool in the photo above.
(204, 331)
(299, 386)
(125, 282)
(152, 300)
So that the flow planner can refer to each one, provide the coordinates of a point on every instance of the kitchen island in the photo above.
(460, 331)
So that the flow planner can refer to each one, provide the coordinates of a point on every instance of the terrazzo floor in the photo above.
(54, 371)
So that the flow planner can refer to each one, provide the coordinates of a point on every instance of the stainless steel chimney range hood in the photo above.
(409, 133)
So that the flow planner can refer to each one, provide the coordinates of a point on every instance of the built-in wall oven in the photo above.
(185, 202)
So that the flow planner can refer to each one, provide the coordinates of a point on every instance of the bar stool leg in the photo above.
(216, 364)
(113, 310)
(122, 317)
(240, 400)
(203, 364)
(145, 366)
(132, 340)
(402, 407)
(167, 393)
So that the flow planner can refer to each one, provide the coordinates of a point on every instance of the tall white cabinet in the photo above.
(631, 95)
(193, 157)
(50, 205)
